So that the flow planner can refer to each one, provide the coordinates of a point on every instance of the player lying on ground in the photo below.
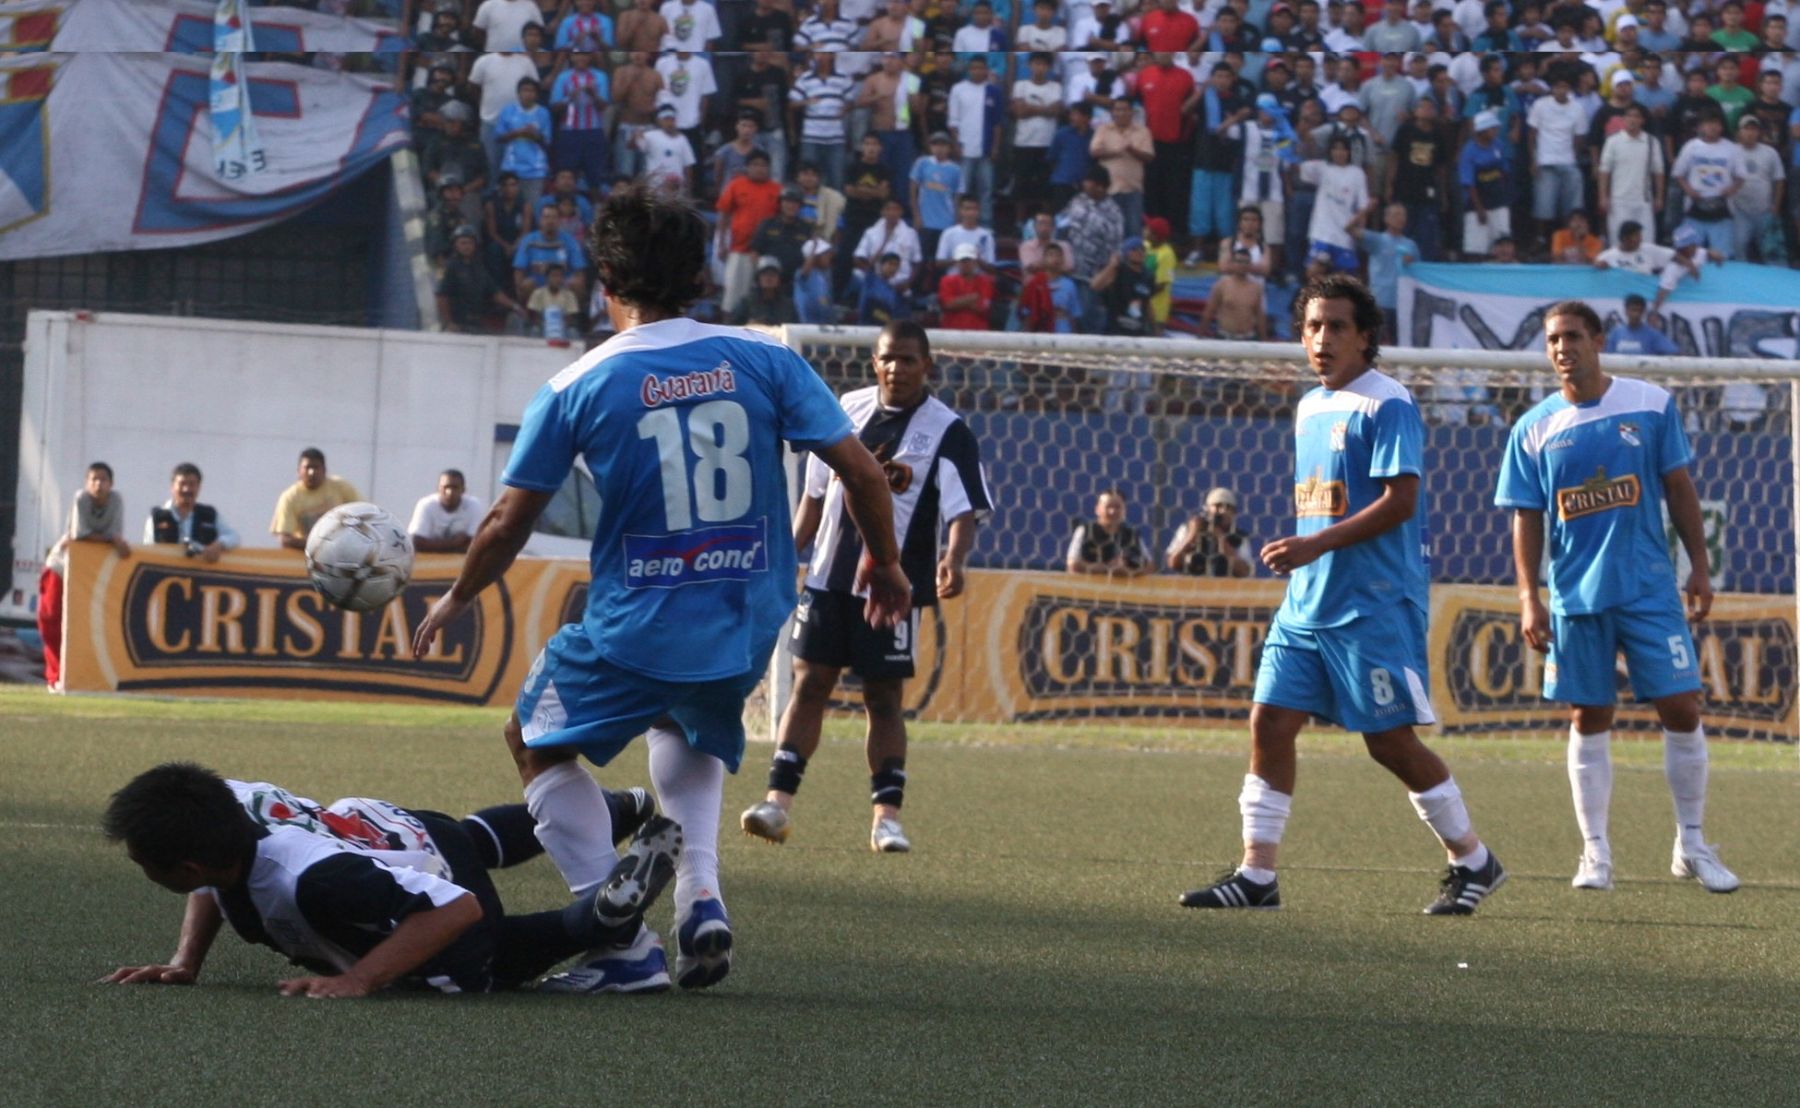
(933, 467)
(1601, 456)
(1348, 642)
(364, 893)
(681, 426)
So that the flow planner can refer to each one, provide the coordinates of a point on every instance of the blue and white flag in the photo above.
(237, 148)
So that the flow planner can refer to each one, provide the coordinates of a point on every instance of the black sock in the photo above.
(888, 785)
(786, 770)
(504, 835)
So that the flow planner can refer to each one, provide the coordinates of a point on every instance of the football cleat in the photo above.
(1594, 871)
(1463, 888)
(888, 837)
(643, 871)
(1234, 890)
(634, 807)
(703, 945)
(768, 821)
(1702, 863)
(640, 966)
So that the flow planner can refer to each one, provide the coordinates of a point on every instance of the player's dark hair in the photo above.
(101, 467)
(179, 812)
(1365, 315)
(1581, 310)
(313, 454)
(761, 156)
(900, 330)
(650, 249)
(455, 474)
(1633, 300)
(185, 469)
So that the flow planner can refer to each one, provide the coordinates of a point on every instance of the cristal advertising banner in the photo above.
(252, 625)
(1016, 648)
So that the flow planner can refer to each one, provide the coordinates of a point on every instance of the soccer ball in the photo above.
(359, 556)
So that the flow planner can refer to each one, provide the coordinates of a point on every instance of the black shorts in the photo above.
(830, 630)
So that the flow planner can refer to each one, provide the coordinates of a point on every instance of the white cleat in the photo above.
(1703, 865)
(1593, 872)
(767, 821)
(888, 837)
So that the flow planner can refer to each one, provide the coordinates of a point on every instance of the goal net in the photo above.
(1061, 419)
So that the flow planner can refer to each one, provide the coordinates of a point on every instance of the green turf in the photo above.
(1029, 952)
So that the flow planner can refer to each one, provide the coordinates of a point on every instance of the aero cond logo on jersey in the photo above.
(725, 553)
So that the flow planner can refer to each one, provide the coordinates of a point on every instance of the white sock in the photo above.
(690, 787)
(1441, 807)
(573, 824)
(1265, 811)
(1684, 762)
(1591, 780)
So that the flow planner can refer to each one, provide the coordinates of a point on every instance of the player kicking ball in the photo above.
(1348, 642)
(933, 467)
(680, 425)
(1600, 457)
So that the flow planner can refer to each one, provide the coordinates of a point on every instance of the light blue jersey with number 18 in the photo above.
(1596, 470)
(681, 425)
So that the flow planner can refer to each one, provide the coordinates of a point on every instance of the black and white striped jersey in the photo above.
(933, 466)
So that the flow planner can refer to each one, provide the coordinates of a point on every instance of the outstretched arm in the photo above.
(199, 926)
(419, 938)
(502, 534)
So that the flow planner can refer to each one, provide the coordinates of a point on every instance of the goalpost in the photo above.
(1061, 418)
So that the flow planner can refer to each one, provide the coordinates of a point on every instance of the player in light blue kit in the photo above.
(1348, 642)
(681, 425)
(1600, 458)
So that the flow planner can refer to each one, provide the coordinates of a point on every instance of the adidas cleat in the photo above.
(640, 966)
(1234, 890)
(888, 837)
(703, 945)
(1463, 888)
(1593, 872)
(768, 821)
(1703, 865)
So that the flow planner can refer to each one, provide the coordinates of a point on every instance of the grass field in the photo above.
(1029, 952)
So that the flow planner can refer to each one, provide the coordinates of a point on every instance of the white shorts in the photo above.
(1478, 238)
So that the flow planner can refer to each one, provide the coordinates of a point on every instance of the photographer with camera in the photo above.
(1210, 544)
(183, 519)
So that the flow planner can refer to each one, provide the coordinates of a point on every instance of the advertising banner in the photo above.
(1015, 648)
(1734, 310)
(252, 625)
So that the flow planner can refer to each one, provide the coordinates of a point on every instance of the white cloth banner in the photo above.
(186, 27)
(1735, 310)
(102, 151)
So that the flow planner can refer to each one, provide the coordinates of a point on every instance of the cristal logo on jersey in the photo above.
(727, 553)
(1316, 496)
(1598, 494)
(657, 391)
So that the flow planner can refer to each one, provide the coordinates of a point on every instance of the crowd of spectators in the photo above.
(1050, 165)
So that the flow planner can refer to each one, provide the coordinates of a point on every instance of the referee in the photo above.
(934, 469)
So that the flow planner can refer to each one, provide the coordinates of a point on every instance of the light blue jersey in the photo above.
(1597, 470)
(681, 425)
(1347, 443)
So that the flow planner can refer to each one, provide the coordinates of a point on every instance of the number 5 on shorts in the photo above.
(1678, 652)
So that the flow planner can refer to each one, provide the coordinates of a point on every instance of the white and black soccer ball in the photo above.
(359, 556)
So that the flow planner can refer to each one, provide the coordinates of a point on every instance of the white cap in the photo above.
(1487, 120)
(1222, 495)
(965, 250)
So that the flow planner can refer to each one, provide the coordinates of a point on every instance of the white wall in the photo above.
(390, 409)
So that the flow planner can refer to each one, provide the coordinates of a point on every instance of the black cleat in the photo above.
(1462, 888)
(644, 870)
(1234, 890)
(633, 808)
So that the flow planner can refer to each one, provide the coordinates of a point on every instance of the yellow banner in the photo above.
(252, 625)
(1044, 646)
(1017, 647)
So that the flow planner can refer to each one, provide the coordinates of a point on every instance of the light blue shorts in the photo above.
(1659, 653)
(1367, 676)
(574, 697)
